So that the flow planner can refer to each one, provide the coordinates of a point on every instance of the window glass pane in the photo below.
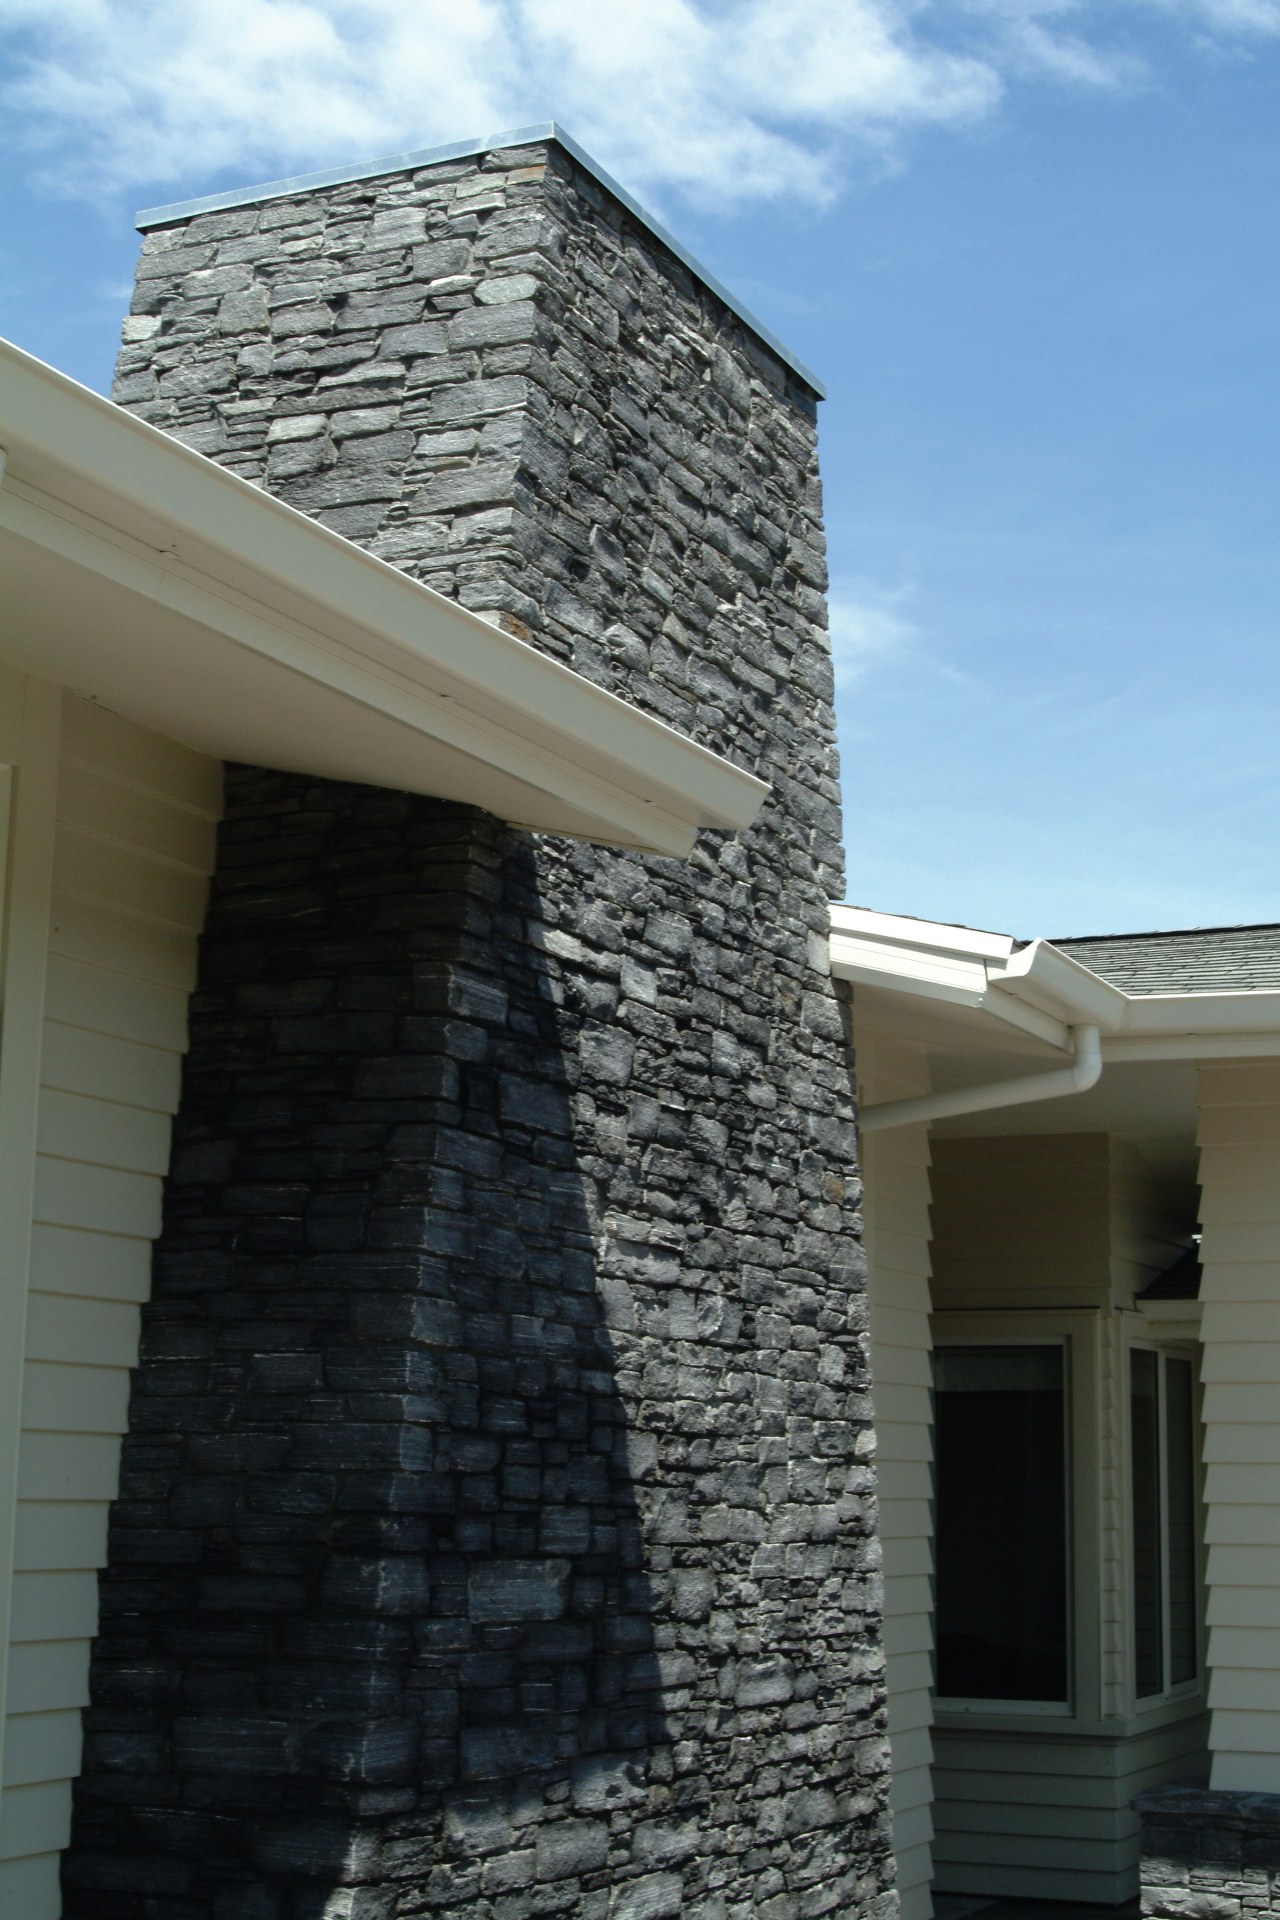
(1180, 1469)
(1144, 1429)
(1001, 1522)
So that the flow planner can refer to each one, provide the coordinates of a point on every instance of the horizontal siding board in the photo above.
(74, 1261)
(106, 1001)
(908, 1633)
(1000, 1881)
(70, 1329)
(1035, 1753)
(57, 1533)
(901, 1440)
(904, 1480)
(913, 1747)
(48, 1675)
(1240, 1486)
(1239, 1164)
(31, 1886)
(910, 1707)
(908, 1592)
(1252, 1647)
(895, 1327)
(35, 1819)
(68, 1466)
(1094, 1830)
(1244, 1606)
(76, 1060)
(1247, 1363)
(55, 1606)
(1255, 1081)
(1227, 1241)
(74, 1399)
(914, 1673)
(898, 1404)
(980, 1846)
(74, 1127)
(912, 1827)
(1236, 1444)
(1238, 1731)
(130, 877)
(42, 1746)
(1240, 1403)
(1246, 1772)
(74, 1193)
(108, 935)
(1244, 1690)
(93, 798)
(105, 741)
(904, 1521)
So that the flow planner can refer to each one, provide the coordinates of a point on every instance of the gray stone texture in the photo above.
(1208, 1854)
(497, 1527)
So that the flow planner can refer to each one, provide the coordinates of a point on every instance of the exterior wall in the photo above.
(895, 1167)
(136, 816)
(498, 1531)
(1022, 1220)
(1240, 1328)
(1034, 1815)
(1040, 1806)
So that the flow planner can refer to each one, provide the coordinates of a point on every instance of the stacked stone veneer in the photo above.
(1209, 1855)
(497, 1530)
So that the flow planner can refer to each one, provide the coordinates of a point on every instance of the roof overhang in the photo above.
(988, 1015)
(985, 988)
(144, 576)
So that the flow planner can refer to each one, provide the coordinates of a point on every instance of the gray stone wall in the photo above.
(1209, 1855)
(498, 1528)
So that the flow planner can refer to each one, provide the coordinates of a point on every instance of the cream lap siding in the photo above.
(1037, 1805)
(896, 1173)
(1021, 1220)
(1239, 1136)
(1034, 1815)
(136, 821)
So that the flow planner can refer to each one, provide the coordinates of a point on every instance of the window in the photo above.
(1002, 1522)
(1164, 1533)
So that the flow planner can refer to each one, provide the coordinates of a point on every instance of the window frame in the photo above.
(1143, 1339)
(1076, 1330)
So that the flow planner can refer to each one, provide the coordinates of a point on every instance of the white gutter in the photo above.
(143, 575)
(1083, 1073)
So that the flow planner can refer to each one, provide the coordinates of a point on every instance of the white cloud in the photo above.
(867, 628)
(723, 101)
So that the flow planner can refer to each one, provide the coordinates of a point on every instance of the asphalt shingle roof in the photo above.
(1199, 960)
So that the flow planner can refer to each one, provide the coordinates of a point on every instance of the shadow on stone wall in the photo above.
(376, 1629)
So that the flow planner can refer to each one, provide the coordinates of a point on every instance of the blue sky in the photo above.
(1031, 245)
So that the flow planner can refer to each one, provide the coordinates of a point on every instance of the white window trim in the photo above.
(1078, 1331)
(1148, 1339)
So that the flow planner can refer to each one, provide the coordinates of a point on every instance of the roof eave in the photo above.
(94, 489)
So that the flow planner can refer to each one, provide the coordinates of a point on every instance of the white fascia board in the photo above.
(937, 976)
(1198, 1026)
(930, 960)
(901, 930)
(1207, 1013)
(117, 501)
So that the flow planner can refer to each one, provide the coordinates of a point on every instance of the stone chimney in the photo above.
(496, 1530)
